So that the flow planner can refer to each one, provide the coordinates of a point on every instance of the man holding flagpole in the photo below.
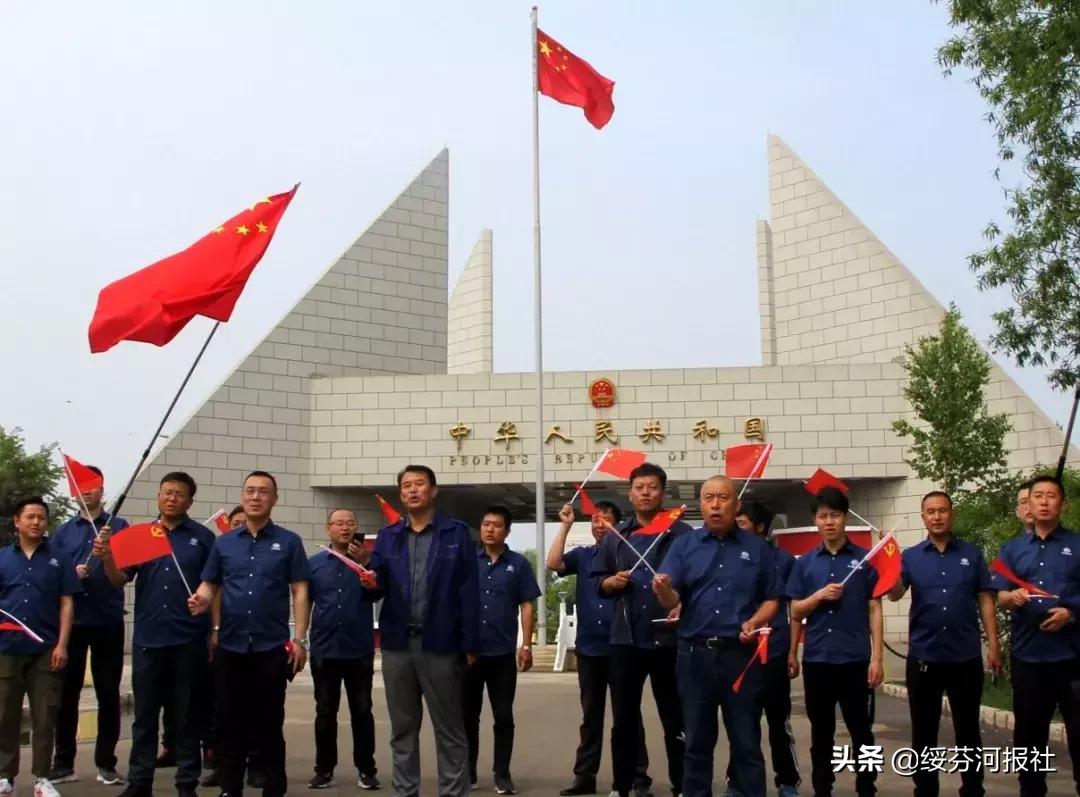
(169, 657)
(842, 649)
(642, 643)
(37, 580)
(725, 579)
(99, 630)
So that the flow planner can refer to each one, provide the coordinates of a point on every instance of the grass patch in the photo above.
(997, 695)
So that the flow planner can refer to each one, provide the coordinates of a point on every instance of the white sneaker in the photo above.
(44, 788)
(6, 786)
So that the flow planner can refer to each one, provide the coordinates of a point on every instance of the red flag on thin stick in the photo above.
(80, 478)
(747, 461)
(761, 654)
(587, 506)
(1003, 570)
(139, 544)
(620, 462)
(155, 303)
(570, 80)
(220, 520)
(663, 521)
(392, 515)
(885, 558)
(822, 479)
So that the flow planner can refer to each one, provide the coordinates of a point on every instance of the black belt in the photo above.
(414, 629)
(716, 642)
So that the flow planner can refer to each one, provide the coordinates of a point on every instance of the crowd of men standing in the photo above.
(688, 610)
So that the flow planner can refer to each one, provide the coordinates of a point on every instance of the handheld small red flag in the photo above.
(13, 623)
(663, 521)
(139, 544)
(219, 520)
(366, 576)
(1003, 570)
(761, 654)
(747, 461)
(620, 462)
(153, 304)
(885, 558)
(587, 506)
(392, 515)
(80, 478)
(570, 80)
(822, 479)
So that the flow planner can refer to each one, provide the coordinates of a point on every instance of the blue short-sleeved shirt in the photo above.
(594, 611)
(780, 636)
(30, 589)
(255, 574)
(721, 580)
(162, 618)
(636, 606)
(505, 584)
(342, 614)
(99, 602)
(838, 632)
(945, 586)
(1054, 565)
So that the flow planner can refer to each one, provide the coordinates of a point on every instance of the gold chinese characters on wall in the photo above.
(604, 431)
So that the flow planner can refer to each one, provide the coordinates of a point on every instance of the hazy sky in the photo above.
(133, 128)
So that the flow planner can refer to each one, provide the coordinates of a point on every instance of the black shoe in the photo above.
(211, 779)
(321, 781)
(256, 779)
(62, 775)
(166, 759)
(503, 785)
(368, 782)
(579, 786)
(137, 791)
(186, 793)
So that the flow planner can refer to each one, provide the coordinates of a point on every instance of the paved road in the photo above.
(547, 717)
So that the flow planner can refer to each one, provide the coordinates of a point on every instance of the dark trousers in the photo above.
(927, 683)
(499, 674)
(629, 667)
(106, 646)
(827, 685)
(30, 677)
(706, 676)
(593, 689)
(167, 677)
(329, 675)
(776, 703)
(1037, 690)
(204, 699)
(251, 691)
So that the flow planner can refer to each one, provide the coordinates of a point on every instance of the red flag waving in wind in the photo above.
(620, 462)
(138, 544)
(663, 521)
(392, 515)
(220, 519)
(761, 654)
(1003, 570)
(885, 558)
(587, 506)
(822, 479)
(80, 478)
(570, 80)
(155, 303)
(747, 461)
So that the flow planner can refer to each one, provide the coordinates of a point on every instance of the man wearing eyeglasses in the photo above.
(257, 568)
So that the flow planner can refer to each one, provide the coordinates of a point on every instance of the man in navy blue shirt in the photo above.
(642, 643)
(842, 648)
(37, 581)
(591, 648)
(425, 570)
(507, 586)
(782, 664)
(725, 579)
(950, 589)
(1044, 632)
(257, 569)
(169, 646)
(99, 628)
(342, 651)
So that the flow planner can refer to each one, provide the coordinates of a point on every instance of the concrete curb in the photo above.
(999, 718)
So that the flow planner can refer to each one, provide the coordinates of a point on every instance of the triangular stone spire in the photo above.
(469, 320)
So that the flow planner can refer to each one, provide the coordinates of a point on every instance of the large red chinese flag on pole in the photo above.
(135, 545)
(570, 80)
(155, 303)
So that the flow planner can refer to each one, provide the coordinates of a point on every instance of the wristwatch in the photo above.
(526, 647)
(301, 642)
(217, 628)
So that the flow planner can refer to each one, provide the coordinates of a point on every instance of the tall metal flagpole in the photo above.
(541, 615)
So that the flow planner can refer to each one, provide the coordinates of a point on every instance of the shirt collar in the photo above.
(43, 546)
(503, 557)
(950, 545)
(265, 531)
(736, 535)
(847, 547)
(1054, 534)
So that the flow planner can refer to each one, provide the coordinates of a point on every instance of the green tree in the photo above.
(1025, 60)
(958, 442)
(24, 474)
(557, 590)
